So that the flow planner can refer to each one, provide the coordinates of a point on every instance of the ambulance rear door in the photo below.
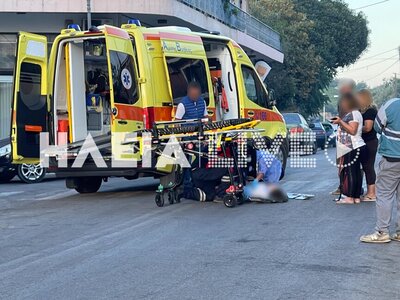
(125, 97)
(29, 108)
(185, 60)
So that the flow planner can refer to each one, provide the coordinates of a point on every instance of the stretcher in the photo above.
(189, 133)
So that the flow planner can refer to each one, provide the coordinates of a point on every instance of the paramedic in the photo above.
(193, 105)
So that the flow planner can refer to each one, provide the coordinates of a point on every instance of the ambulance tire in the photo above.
(87, 185)
(31, 173)
(284, 154)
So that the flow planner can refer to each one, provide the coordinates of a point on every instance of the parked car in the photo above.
(296, 123)
(28, 173)
(330, 132)
(320, 134)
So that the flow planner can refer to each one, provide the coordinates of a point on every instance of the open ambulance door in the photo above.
(188, 52)
(125, 98)
(29, 108)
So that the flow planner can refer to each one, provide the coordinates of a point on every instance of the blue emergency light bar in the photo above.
(74, 26)
(134, 22)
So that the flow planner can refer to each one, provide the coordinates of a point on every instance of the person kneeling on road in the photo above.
(269, 167)
(265, 187)
(204, 183)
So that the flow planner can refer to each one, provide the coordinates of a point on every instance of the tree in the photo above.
(388, 90)
(339, 34)
(294, 79)
(318, 36)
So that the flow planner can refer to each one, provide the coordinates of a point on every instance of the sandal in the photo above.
(368, 199)
(345, 202)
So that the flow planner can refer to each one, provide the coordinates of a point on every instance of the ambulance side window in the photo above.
(135, 53)
(29, 86)
(184, 70)
(125, 86)
(253, 86)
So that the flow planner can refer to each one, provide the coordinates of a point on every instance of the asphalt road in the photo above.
(56, 244)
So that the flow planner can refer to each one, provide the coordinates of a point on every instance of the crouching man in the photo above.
(265, 187)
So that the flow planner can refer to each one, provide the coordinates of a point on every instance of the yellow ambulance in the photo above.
(108, 80)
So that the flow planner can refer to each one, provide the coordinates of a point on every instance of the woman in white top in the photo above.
(349, 146)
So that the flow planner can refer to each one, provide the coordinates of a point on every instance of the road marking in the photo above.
(5, 194)
(59, 195)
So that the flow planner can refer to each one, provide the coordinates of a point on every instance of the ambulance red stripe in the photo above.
(180, 37)
(117, 32)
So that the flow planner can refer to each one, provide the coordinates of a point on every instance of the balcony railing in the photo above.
(236, 18)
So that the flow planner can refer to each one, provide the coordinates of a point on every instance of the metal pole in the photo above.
(89, 13)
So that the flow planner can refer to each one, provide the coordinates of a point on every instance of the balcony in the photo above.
(234, 17)
(258, 39)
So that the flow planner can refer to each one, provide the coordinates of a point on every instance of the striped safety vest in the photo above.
(387, 123)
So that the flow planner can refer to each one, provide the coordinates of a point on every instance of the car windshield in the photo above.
(318, 125)
(328, 127)
(292, 118)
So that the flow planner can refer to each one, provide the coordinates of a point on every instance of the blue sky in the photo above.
(384, 23)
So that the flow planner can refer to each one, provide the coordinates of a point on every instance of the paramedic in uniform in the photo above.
(193, 105)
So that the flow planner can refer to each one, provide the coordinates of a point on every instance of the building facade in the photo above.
(229, 17)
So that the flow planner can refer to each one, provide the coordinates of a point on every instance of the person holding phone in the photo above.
(345, 86)
(350, 144)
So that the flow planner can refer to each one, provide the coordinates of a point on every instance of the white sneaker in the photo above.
(377, 237)
(396, 237)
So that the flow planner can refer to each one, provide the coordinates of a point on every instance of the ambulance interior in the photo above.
(223, 78)
(81, 90)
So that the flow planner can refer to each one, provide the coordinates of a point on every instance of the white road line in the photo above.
(58, 195)
(5, 194)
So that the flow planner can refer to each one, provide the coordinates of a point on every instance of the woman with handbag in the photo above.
(350, 145)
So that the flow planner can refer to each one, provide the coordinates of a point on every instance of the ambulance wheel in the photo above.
(31, 173)
(283, 155)
(171, 197)
(159, 200)
(230, 201)
(87, 185)
(315, 148)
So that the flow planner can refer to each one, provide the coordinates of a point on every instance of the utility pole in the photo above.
(89, 13)
(396, 84)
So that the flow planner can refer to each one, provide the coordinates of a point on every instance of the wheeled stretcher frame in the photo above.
(190, 132)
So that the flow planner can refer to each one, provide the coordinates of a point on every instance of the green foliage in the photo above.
(388, 90)
(294, 79)
(340, 35)
(318, 36)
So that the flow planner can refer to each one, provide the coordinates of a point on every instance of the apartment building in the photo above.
(230, 18)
